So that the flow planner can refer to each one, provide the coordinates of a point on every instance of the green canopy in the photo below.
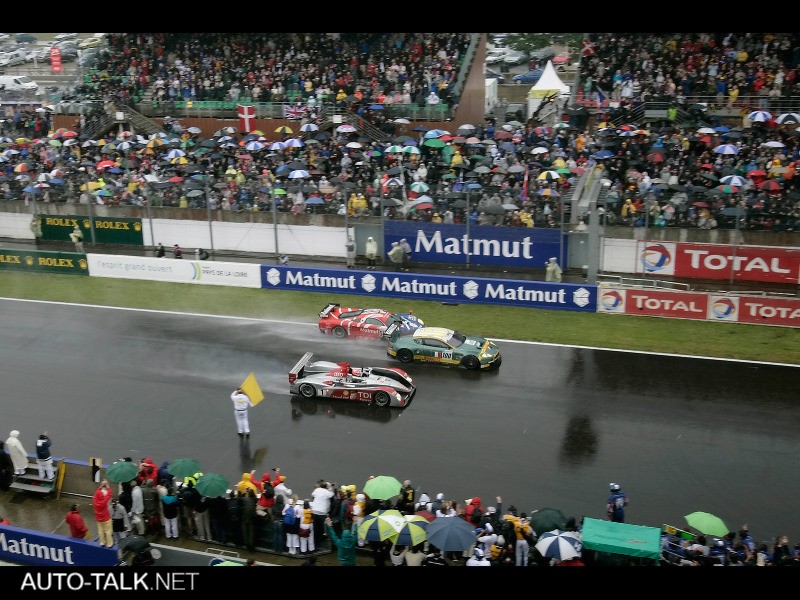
(621, 538)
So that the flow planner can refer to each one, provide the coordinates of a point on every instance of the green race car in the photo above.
(444, 346)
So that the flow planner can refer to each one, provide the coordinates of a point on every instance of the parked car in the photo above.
(541, 56)
(501, 79)
(495, 55)
(90, 42)
(530, 76)
(382, 386)
(65, 36)
(443, 346)
(26, 38)
(369, 323)
(515, 57)
(13, 58)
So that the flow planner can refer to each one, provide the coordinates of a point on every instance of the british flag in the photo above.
(293, 112)
(247, 117)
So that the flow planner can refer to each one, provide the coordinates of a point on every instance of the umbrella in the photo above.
(726, 149)
(451, 534)
(434, 143)
(299, 173)
(212, 485)
(548, 176)
(309, 127)
(727, 189)
(707, 523)
(547, 519)
(770, 185)
(759, 116)
(253, 146)
(510, 207)
(419, 187)
(700, 204)
(774, 144)
(791, 118)
(603, 154)
(412, 532)
(120, 471)
(183, 467)
(736, 180)
(561, 545)
(381, 525)
(382, 487)
(284, 129)
(175, 153)
(425, 514)
(346, 128)
(402, 121)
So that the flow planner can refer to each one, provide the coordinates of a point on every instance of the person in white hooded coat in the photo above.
(19, 456)
(371, 253)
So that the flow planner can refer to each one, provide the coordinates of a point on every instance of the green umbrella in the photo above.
(212, 485)
(183, 467)
(382, 487)
(121, 471)
(707, 523)
(434, 143)
(547, 519)
(279, 191)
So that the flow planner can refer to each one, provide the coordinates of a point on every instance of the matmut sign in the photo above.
(707, 307)
(717, 261)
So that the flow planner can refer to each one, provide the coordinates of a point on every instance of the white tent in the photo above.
(549, 83)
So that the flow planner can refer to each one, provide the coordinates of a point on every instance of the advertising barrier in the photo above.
(107, 230)
(450, 289)
(51, 550)
(174, 270)
(701, 306)
(486, 245)
(769, 264)
(35, 260)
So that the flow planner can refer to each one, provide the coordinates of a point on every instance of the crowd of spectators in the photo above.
(511, 174)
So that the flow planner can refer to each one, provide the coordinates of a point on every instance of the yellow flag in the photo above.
(251, 388)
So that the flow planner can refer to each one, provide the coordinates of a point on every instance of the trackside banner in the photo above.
(107, 230)
(174, 270)
(35, 260)
(707, 307)
(500, 246)
(462, 290)
(771, 264)
(50, 550)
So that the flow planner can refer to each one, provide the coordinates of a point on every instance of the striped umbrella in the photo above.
(726, 149)
(760, 116)
(791, 118)
(548, 176)
(420, 187)
(394, 149)
(558, 544)
(736, 180)
(381, 525)
(414, 531)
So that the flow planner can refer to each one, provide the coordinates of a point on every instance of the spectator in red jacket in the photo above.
(101, 502)
(77, 526)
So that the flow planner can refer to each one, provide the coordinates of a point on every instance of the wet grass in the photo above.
(685, 337)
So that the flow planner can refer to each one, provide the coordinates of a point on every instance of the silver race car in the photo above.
(382, 386)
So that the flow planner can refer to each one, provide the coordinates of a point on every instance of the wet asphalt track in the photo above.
(552, 427)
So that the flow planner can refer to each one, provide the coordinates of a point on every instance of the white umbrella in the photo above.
(346, 128)
(791, 118)
(309, 127)
(734, 180)
(412, 150)
(175, 153)
(774, 144)
(539, 150)
(294, 143)
(561, 545)
(726, 149)
(277, 146)
(354, 145)
(760, 116)
(194, 130)
(253, 146)
(298, 174)
(402, 121)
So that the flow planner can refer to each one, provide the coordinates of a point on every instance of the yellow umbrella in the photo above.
(179, 160)
(21, 140)
(101, 142)
(154, 142)
(257, 132)
(284, 129)
(92, 186)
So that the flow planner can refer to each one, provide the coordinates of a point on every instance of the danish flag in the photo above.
(587, 48)
(247, 117)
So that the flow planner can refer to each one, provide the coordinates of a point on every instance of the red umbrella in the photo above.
(503, 135)
(655, 157)
(425, 514)
(770, 185)
(175, 179)
(106, 164)
(756, 173)
(700, 204)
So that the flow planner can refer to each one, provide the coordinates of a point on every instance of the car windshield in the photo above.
(23, 79)
(455, 339)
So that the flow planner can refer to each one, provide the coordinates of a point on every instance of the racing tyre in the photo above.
(339, 332)
(405, 355)
(471, 363)
(307, 390)
(382, 398)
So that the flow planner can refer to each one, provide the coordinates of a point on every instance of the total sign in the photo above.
(459, 290)
(718, 261)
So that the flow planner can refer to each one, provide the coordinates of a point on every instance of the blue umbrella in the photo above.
(315, 200)
(603, 154)
(56, 181)
(114, 170)
(29, 189)
(375, 107)
(726, 149)
(420, 128)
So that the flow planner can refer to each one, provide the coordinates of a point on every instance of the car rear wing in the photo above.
(392, 331)
(327, 310)
(297, 370)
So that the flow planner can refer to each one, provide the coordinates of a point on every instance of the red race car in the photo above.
(369, 323)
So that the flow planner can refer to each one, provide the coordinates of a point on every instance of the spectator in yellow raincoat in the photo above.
(526, 218)
(356, 204)
(456, 159)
